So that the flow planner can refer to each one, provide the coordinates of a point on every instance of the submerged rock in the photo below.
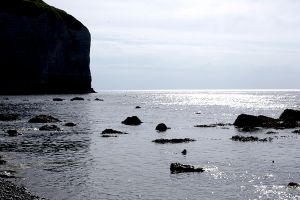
(43, 119)
(249, 129)
(132, 121)
(212, 125)
(9, 117)
(181, 168)
(57, 99)
(161, 127)
(271, 132)
(77, 99)
(70, 124)
(2, 162)
(109, 136)
(112, 131)
(173, 141)
(12, 133)
(184, 152)
(290, 115)
(249, 139)
(97, 99)
(50, 128)
(138, 107)
(297, 131)
(293, 185)
(43, 50)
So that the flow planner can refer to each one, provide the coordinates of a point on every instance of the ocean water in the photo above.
(77, 163)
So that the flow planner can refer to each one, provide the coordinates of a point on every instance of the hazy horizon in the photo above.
(192, 44)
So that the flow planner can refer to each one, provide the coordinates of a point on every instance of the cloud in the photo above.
(224, 37)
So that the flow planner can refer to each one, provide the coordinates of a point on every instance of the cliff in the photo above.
(42, 50)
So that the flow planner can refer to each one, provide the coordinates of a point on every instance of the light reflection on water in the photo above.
(78, 163)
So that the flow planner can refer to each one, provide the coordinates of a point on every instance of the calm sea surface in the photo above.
(77, 163)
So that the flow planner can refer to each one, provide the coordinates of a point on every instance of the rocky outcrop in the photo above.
(249, 139)
(173, 141)
(43, 50)
(132, 121)
(43, 119)
(288, 119)
(181, 168)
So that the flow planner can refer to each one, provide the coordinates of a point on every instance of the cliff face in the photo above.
(42, 50)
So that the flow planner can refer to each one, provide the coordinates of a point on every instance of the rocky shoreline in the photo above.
(9, 190)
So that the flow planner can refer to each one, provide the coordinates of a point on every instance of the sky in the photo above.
(191, 44)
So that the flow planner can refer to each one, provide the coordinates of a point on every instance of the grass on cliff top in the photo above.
(37, 7)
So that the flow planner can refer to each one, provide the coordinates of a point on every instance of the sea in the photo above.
(78, 163)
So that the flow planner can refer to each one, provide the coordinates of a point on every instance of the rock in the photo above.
(50, 128)
(10, 191)
(248, 129)
(245, 120)
(97, 99)
(6, 175)
(70, 124)
(43, 119)
(249, 139)
(57, 99)
(9, 117)
(184, 152)
(132, 121)
(161, 127)
(293, 185)
(77, 99)
(138, 107)
(173, 141)
(12, 133)
(43, 50)
(213, 125)
(181, 168)
(271, 132)
(290, 115)
(297, 131)
(109, 136)
(198, 113)
(2, 162)
(112, 131)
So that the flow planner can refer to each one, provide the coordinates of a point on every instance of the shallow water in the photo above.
(78, 163)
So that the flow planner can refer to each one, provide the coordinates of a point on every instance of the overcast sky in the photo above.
(191, 44)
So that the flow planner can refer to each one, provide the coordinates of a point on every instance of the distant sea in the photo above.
(77, 163)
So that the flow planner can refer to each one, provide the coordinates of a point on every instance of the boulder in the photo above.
(290, 115)
(43, 119)
(297, 131)
(245, 120)
(57, 99)
(77, 99)
(70, 124)
(181, 168)
(12, 133)
(184, 152)
(112, 131)
(293, 185)
(2, 162)
(97, 99)
(173, 141)
(9, 117)
(49, 128)
(138, 107)
(132, 121)
(161, 127)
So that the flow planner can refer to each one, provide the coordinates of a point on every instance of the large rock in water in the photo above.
(245, 120)
(43, 49)
(290, 115)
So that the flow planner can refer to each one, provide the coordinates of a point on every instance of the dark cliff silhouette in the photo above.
(42, 50)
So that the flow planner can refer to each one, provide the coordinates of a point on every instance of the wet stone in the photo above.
(43, 119)
(182, 168)
(173, 141)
